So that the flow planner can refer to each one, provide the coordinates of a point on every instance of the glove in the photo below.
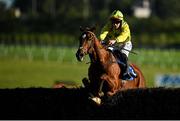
(112, 42)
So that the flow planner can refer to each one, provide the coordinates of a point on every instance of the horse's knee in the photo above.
(112, 91)
(104, 77)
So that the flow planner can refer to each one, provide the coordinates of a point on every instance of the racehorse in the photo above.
(104, 73)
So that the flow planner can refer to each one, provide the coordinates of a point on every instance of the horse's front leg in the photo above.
(86, 82)
(113, 84)
(93, 95)
(101, 93)
(97, 97)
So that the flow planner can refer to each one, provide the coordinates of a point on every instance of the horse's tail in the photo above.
(140, 79)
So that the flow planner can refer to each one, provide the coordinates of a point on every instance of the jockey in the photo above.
(116, 34)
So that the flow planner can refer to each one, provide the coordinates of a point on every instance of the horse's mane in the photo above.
(92, 29)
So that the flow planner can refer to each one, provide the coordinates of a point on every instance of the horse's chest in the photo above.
(95, 71)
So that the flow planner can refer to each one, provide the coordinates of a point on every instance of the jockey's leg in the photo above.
(121, 56)
(124, 54)
(126, 66)
(122, 60)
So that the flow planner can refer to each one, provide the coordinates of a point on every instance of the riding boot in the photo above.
(126, 72)
(129, 72)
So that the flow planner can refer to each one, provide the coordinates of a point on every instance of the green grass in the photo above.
(22, 73)
(42, 67)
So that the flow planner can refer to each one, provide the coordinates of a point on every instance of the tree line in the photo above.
(64, 17)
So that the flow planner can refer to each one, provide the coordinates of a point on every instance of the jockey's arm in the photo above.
(124, 35)
(103, 35)
(104, 32)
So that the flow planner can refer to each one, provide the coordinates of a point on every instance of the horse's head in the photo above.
(85, 42)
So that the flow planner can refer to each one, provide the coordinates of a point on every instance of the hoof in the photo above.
(97, 100)
(101, 94)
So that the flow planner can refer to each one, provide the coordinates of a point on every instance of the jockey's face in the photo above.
(116, 24)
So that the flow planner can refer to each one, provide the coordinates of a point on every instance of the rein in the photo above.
(92, 38)
(91, 41)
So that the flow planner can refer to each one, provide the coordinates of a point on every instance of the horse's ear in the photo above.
(87, 29)
(93, 29)
(81, 28)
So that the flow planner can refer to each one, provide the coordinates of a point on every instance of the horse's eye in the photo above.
(84, 36)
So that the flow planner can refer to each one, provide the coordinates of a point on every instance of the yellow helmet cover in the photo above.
(116, 15)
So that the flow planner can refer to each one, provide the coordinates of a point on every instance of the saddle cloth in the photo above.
(132, 74)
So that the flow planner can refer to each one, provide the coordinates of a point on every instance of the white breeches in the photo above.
(127, 47)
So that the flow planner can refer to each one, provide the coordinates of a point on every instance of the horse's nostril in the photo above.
(81, 54)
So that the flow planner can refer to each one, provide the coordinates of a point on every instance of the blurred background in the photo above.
(39, 39)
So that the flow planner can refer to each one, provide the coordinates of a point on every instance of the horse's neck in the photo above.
(99, 51)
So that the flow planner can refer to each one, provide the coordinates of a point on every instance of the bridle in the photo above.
(90, 42)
